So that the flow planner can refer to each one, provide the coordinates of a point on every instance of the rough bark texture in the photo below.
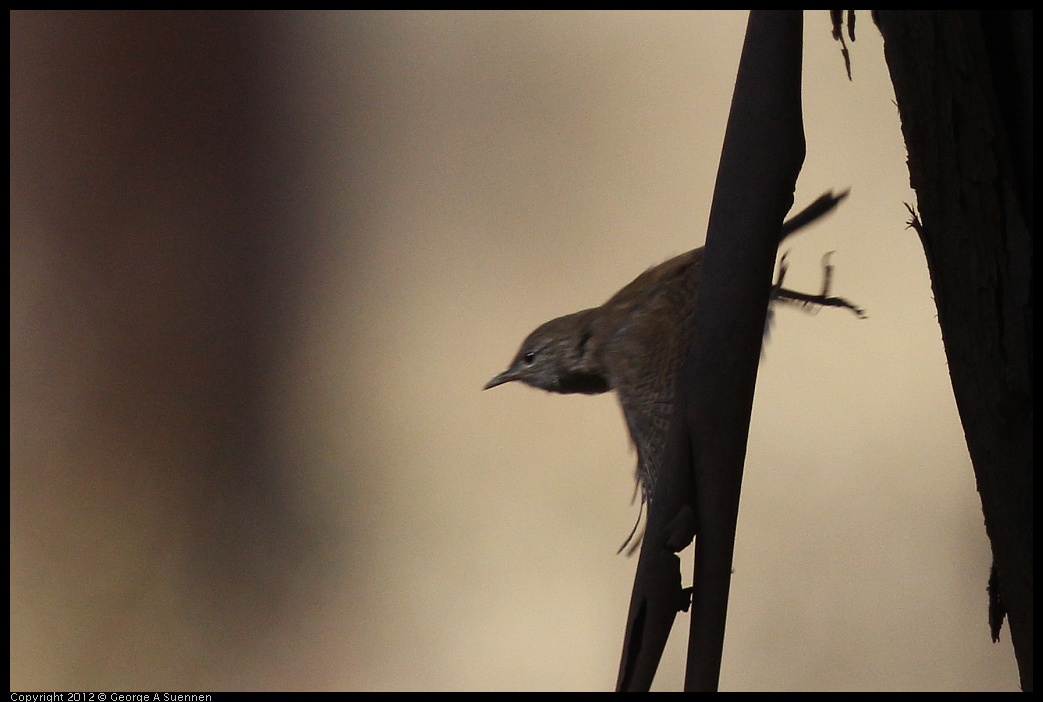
(963, 82)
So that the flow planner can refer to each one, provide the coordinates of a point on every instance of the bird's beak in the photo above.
(505, 377)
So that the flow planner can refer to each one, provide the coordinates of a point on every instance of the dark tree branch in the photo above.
(698, 491)
(762, 156)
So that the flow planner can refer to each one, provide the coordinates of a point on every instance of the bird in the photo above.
(635, 344)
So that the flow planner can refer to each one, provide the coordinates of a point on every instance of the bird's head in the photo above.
(559, 357)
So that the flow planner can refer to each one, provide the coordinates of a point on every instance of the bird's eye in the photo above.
(529, 357)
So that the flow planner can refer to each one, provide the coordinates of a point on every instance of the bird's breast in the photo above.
(586, 383)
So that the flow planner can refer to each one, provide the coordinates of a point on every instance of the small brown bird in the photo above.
(635, 344)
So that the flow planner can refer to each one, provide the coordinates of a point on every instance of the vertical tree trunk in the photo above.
(963, 81)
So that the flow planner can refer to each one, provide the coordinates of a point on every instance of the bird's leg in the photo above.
(805, 299)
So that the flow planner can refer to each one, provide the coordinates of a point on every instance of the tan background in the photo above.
(263, 265)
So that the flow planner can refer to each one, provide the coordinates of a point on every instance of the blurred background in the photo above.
(262, 266)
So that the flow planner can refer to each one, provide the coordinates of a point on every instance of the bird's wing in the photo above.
(646, 349)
